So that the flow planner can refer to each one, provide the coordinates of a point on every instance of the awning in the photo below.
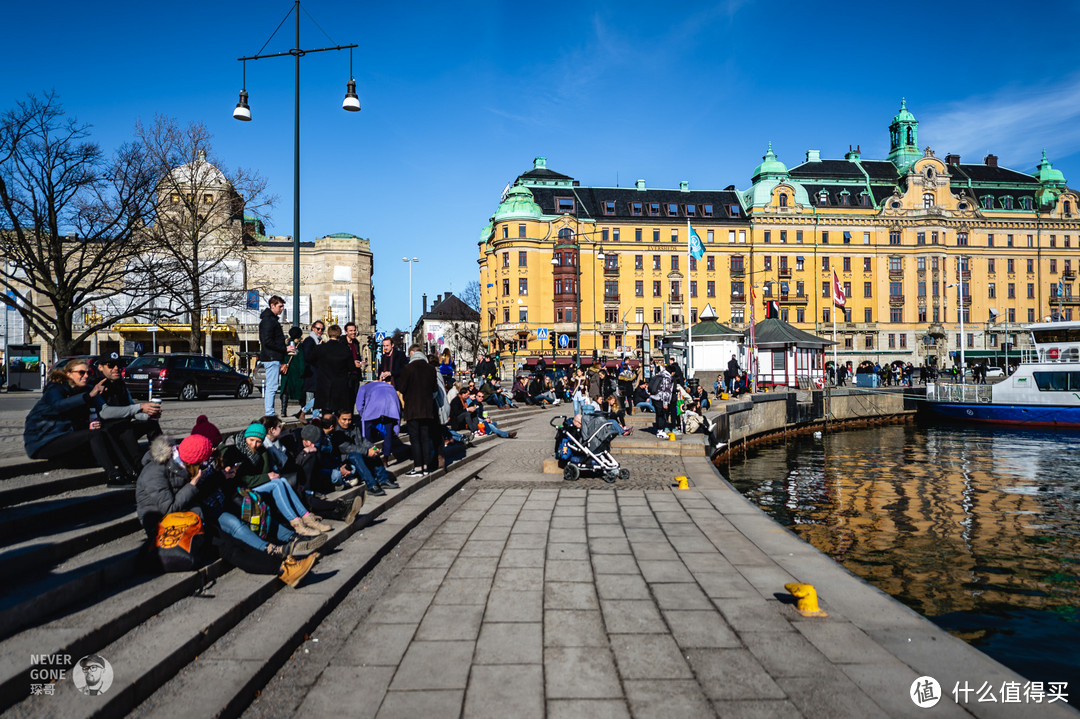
(563, 361)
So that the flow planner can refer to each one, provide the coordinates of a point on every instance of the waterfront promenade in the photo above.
(497, 590)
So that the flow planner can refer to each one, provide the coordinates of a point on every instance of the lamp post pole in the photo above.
(243, 112)
(409, 262)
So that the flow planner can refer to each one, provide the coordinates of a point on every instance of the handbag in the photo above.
(179, 539)
(254, 512)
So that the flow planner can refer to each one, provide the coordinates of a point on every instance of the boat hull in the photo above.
(1029, 415)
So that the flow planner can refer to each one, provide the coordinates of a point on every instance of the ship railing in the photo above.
(966, 393)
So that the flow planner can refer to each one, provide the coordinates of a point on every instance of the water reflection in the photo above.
(976, 529)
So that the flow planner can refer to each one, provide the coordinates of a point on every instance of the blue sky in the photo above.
(459, 97)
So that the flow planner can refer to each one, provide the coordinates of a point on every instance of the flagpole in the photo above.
(690, 312)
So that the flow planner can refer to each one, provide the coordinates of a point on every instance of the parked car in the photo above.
(991, 372)
(185, 375)
(91, 361)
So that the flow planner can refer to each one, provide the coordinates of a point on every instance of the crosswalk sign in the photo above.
(380, 336)
(542, 333)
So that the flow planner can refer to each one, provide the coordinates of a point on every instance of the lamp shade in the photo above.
(242, 111)
(351, 102)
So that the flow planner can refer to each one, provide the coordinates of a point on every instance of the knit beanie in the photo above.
(195, 449)
(311, 433)
(255, 429)
(207, 429)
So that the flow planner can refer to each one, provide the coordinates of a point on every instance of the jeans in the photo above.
(285, 498)
(548, 397)
(490, 428)
(661, 420)
(273, 382)
(371, 478)
(309, 404)
(644, 406)
(235, 527)
(498, 400)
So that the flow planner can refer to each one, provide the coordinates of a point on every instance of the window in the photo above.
(987, 202)
(799, 264)
(896, 289)
(868, 342)
(800, 314)
(737, 290)
(920, 263)
(506, 259)
(767, 262)
(656, 288)
(927, 200)
(767, 237)
(674, 262)
(656, 235)
(710, 263)
(1008, 240)
(825, 289)
(523, 259)
(1010, 266)
(506, 314)
(866, 238)
(896, 314)
(800, 289)
(615, 234)
(867, 289)
(990, 240)
(656, 262)
(691, 209)
(693, 288)
(1031, 290)
(1025, 203)
(990, 265)
(1053, 266)
(1012, 291)
(922, 314)
(961, 239)
(505, 231)
(783, 236)
(654, 208)
(523, 314)
(892, 341)
(1031, 315)
(824, 264)
(609, 208)
(868, 315)
(639, 288)
(710, 289)
(933, 263)
(825, 238)
(847, 238)
(783, 200)
(825, 314)
(847, 264)
(896, 264)
(611, 288)
(1053, 240)
(672, 209)
(635, 209)
(521, 230)
(736, 263)
(707, 210)
(1006, 203)
(798, 237)
(866, 264)
(766, 289)
(921, 288)
(693, 263)
(847, 289)
(657, 315)
(894, 237)
(709, 236)
(991, 291)
(1031, 266)
(506, 287)
(604, 234)
(637, 234)
(564, 205)
(674, 235)
(523, 285)
(639, 262)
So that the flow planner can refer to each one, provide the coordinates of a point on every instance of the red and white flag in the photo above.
(839, 298)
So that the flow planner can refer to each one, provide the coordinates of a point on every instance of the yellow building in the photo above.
(904, 235)
(624, 247)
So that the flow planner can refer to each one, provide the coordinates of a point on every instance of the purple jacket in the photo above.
(378, 400)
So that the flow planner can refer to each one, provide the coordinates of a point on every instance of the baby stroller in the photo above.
(586, 449)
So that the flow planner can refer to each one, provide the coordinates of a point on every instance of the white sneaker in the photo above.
(558, 402)
(661, 434)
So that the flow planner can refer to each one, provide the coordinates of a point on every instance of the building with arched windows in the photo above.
(913, 238)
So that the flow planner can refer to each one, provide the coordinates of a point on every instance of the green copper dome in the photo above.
(518, 205)
(485, 234)
(904, 115)
(771, 168)
(1048, 175)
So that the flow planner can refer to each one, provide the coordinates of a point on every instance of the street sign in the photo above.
(542, 333)
(380, 336)
(564, 341)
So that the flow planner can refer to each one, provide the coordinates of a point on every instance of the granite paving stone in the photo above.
(500, 691)
(649, 656)
(622, 586)
(570, 595)
(434, 665)
(650, 699)
(591, 708)
(510, 643)
(680, 596)
(445, 704)
(515, 605)
(473, 567)
(569, 570)
(580, 673)
(450, 621)
(526, 578)
(700, 629)
(574, 628)
(632, 616)
(615, 564)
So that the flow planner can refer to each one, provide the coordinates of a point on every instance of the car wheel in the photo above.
(189, 392)
(243, 391)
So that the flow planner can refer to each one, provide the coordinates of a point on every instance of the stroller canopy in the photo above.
(596, 432)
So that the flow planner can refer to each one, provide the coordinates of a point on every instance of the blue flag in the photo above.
(1061, 288)
(696, 248)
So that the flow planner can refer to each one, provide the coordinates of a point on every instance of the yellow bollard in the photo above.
(683, 482)
(671, 437)
(807, 596)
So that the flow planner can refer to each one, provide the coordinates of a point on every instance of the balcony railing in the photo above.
(896, 299)
(795, 299)
(1067, 301)
(611, 271)
(675, 298)
(738, 297)
(738, 272)
(785, 272)
(896, 274)
(611, 298)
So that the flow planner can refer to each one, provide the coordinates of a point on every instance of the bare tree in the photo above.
(198, 224)
(471, 295)
(70, 221)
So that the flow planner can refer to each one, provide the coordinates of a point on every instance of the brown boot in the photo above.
(314, 522)
(293, 569)
(354, 510)
(302, 529)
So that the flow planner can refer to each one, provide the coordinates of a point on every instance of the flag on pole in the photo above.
(1061, 288)
(697, 250)
(839, 298)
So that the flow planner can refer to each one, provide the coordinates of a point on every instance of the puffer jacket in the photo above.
(163, 486)
(61, 410)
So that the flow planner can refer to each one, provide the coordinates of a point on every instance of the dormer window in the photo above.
(706, 210)
(733, 210)
(1025, 203)
(691, 210)
(927, 200)
(673, 209)
(654, 208)
(1067, 207)
(609, 208)
(1006, 203)
(783, 200)
(987, 202)
(635, 209)
(929, 173)
(864, 199)
(845, 198)
(823, 198)
(564, 205)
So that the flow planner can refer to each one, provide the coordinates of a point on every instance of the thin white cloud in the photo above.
(1015, 124)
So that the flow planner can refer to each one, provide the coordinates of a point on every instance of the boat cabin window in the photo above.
(1057, 381)
(1056, 335)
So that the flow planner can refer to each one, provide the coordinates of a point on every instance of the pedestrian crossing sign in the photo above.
(542, 333)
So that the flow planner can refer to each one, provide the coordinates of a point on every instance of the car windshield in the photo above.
(148, 361)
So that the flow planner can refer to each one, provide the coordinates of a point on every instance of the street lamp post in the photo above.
(243, 113)
(409, 262)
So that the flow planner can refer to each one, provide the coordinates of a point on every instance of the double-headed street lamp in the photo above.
(243, 113)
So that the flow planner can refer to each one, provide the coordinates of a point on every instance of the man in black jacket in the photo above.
(391, 361)
(311, 372)
(417, 386)
(271, 351)
(120, 416)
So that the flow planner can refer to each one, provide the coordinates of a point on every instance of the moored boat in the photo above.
(1043, 391)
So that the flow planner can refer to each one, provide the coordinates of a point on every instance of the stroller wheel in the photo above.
(571, 472)
(610, 476)
(624, 474)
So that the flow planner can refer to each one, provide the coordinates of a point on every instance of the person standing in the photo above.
(391, 361)
(446, 369)
(732, 373)
(271, 351)
(355, 370)
(292, 378)
(417, 386)
(334, 361)
(311, 373)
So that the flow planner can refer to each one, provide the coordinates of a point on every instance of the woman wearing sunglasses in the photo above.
(64, 423)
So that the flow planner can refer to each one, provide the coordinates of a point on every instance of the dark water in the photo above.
(976, 529)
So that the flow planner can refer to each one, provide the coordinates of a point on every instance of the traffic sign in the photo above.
(542, 333)
(564, 341)
(380, 336)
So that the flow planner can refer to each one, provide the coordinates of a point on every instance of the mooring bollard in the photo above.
(807, 603)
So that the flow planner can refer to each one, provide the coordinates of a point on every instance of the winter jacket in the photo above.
(311, 372)
(252, 468)
(117, 402)
(350, 441)
(163, 486)
(417, 385)
(335, 363)
(271, 338)
(392, 363)
(61, 410)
